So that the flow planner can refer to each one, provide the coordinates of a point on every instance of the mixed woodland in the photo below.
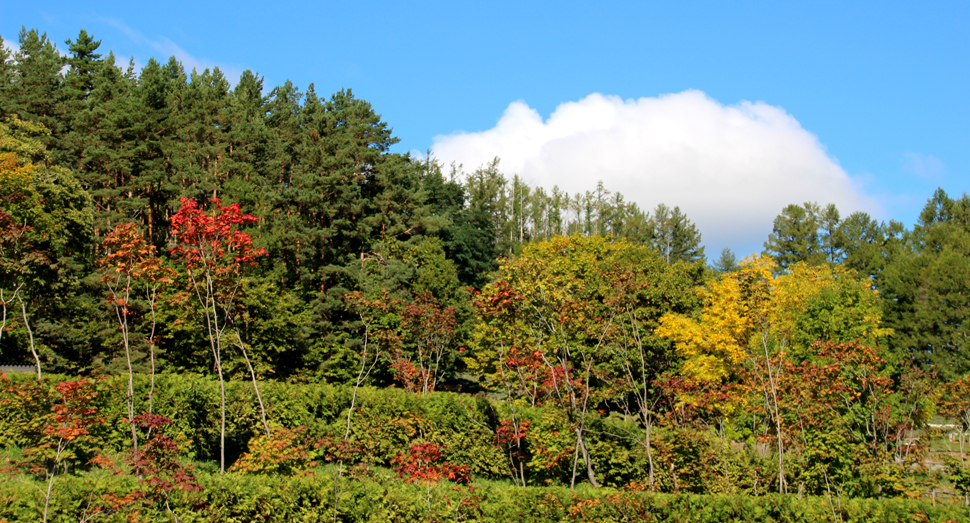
(236, 303)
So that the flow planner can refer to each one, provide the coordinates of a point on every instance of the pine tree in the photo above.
(248, 162)
(867, 245)
(84, 65)
(673, 236)
(7, 77)
(727, 262)
(101, 134)
(795, 237)
(468, 239)
(37, 93)
(829, 226)
(200, 146)
(487, 200)
(79, 82)
(926, 291)
(151, 194)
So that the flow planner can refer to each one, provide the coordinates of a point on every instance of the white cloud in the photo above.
(166, 48)
(11, 46)
(926, 166)
(731, 169)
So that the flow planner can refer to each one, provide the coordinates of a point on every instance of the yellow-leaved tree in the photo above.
(19, 148)
(755, 319)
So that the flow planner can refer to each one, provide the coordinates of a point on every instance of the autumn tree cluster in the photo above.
(164, 222)
(89, 145)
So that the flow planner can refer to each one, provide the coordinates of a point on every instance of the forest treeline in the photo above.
(336, 212)
(164, 222)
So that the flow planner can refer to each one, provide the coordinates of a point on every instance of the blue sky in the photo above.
(880, 88)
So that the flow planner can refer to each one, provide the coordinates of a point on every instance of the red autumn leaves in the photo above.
(205, 239)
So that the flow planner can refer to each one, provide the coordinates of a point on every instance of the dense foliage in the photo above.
(380, 499)
(212, 273)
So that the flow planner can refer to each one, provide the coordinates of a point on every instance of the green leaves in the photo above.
(925, 289)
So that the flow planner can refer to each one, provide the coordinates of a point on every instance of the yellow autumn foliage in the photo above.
(19, 148)
(745, 308)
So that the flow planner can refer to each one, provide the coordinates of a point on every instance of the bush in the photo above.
(385, 422)
(313, 498)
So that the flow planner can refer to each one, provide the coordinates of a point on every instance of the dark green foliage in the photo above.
(468, 237)
(811, 234)
(867, 245)
(795, 236)
(7, 72)
(926, 290)
(383, 424)
(36, 94)
(343, 219)
(673, 236)
(319, 174)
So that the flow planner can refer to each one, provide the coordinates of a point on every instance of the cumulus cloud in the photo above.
(731, 169)
(925, 166)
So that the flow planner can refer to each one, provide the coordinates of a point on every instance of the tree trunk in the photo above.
(581, 447)
(222, 412)
(649, 427)
(122, 314)
(259, 397)
(30, 335)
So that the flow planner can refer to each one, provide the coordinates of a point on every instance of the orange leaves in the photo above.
(62, 430)
(693, 401)
(19, 148)
(73, 414)
(955, 402)
(507, 433)
(127, 252)
(498, 300)
(425, 316)
(14, 172)
(424, 464)
(285, 453)
(415, 334)
(129, 257)
(411, 377)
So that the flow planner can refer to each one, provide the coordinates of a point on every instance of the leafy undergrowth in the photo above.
(336, 493)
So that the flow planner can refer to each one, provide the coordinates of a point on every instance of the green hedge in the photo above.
(384, 422)
(241, 498)
(387, 421)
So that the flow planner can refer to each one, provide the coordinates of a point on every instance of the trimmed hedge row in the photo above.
(311, 498)
(384, 421)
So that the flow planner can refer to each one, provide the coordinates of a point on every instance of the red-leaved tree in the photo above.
(214, 252)
(158, 465)
(425, 465)
(64, 429)
(129, 259)
(429, 333)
